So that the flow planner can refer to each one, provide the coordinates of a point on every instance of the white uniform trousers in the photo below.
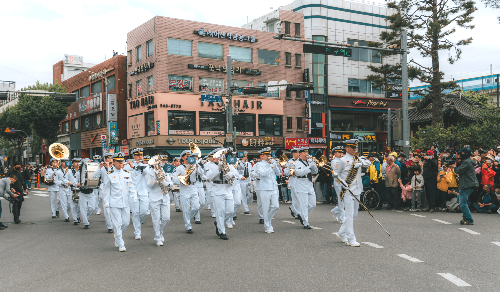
(53, 202)
(351, 212)
(177, 199)
(245, 193)
(75, 210)
(270, 206)
(224, 209)
(201, 196)
(98, 200)
(64, 195)
(87, 207)
(139, 212)
(339, 209)
(295, 207)
(307, 203)
(190, 206)
(160, 215)
(260, 214)
(121, 219)
(107, 214)
(237, 203)
(208, 200)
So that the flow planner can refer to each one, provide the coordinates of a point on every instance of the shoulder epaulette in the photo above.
(110, 171)
(126, 170)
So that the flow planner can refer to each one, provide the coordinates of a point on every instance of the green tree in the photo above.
(482, 99)
(427, 136)
(11, 118)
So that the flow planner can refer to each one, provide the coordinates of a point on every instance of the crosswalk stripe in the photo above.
(457, 281)
(441, 221)
(417, 215)
(411, 259)
(315, 227)
(470, 231)
(40, 194)
(496, 243)
(286, 221)
(373, 244)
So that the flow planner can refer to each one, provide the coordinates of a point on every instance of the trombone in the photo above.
(282, 160)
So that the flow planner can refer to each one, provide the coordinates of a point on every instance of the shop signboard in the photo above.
(291, 143)
(90, 104)
(113, 133)
(365, 136)
(259, 141)
(135, 126)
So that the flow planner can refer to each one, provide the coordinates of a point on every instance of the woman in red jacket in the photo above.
(487, 174)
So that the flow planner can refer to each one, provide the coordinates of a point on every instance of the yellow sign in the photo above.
(7, 130)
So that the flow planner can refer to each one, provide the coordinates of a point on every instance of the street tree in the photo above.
(11, 118)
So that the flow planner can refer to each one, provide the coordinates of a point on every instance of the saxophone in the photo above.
(159, 173)
(350, 177)
(224, 168)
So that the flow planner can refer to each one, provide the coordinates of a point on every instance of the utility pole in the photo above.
(498, 98)
(389, 129)
(229, 106)
(327, 111)
(404, 85)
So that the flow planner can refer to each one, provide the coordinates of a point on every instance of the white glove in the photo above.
(358, 165)
(106, 205)
(135, 200)
(343, 183)
(335, 175)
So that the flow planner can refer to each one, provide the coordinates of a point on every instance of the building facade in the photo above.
(72, 65)
(172, 62)
(87, 120)
(344, 22)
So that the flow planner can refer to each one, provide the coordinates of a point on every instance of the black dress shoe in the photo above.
(234, 218)
(300, 218)
(17, 222)
(379, 207)
(54, 217)
(2, 228)
(197, 222)
(246, 213)
(57, 213)
(216, 229)
(190, 231)
(75, 223)
(178, 210)
(3, 225)
(78, 219)
(307, 227)
(86, 227)
(261, 221)
(293, 215)
(223, 236)
(110, 230)
(66, 220)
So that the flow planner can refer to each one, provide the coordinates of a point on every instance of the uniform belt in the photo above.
(65, 187)
(305, 176)
(218, 182)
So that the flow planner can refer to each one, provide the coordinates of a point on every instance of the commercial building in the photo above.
(12, 96)
(87, 120)
(172, 62)
(72, 65)
(354, 104)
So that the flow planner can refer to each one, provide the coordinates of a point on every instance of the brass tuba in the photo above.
(184, 179)
(57, 151)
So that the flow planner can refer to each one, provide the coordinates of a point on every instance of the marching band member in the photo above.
(119, 190)
(256, 180)
(140, 207)
(105, 167)
(292, 181)
(200, 176)
(338, 152)
(236, 192)
(65, 189)
(75, 207)
(349, 172)
(188, 193)
(266, 171)
(86, 202)
(209, 184)
(220, 175)
(176, 191)
(159, 200)
(244, 168)
(97, 193)
(53, 178)
(304, 168)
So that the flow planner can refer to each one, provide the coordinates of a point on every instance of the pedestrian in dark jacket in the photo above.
(27, 176)
(468, 182)
(20, 187)
(430, 172)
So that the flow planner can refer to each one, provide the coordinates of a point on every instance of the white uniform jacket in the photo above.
(303, 170)
(213, 175)
(138, 178)
(291, 179)
(344, 165)
(118, 189)
(57, 175)
(155, 191)
(266, 176)
(181, 170)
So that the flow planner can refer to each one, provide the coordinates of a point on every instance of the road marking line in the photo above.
(441, 221)
(470, 231)
(41, 195)
(289, 222)
(172, 204)
(457, 281)
(411, 259)
(399, 211)
(496, 243)
(373, 244)
(314, 227)
(421, 216)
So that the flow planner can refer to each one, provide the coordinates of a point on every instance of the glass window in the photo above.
(211, 85)
(270, 126)
(271, 91)
(180, 47)
(77, 94)
(342, 122)
(289, 121)
(211, 51)
(97, 120)
(149, 45)
(179, 83)
(66, 127)
(97, 87)
(364, 122)
(129, 91)
(87, 122)
(297, 29)
(376, 57)
(316, 131)
(86, 91)
(270, 27)
(299, 124)
(288, 58)
(111, 83)
(181, 123)
(138, 52)
(129, 57)
(287, 27)
(268, 57)
(364, 86)
(139, 87)
(241, 83)
(376, 90)
(298, 60)
(352, 85)
(240, 54)
(150, 84)
(212, 123)
(75, 125)
(150, 124)
(318, 68)
(245, 124)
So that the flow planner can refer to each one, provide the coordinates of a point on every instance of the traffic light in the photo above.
(301, 86)
(4, 95)
(69, 97)
(254, 90)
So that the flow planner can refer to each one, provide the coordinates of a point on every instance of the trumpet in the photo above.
(282, 160)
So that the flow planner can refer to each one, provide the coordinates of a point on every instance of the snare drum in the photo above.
(87, 171)
(175, 188)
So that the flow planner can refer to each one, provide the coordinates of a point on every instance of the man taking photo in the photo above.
(6, 193)
(19, 187)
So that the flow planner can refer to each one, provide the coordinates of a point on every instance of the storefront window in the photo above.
(150, 123)
(365, 122)
(111, 83)
(211, 85)
(245, 124)
(86, 91)
(75, 125)
(211, 51)
(270, 126)
(268, 57)
(97, 87)
(241, 83)
(181, 123)
(354, 122)
(212, 123)
(271, 91)
(180, 83)
(240, 54)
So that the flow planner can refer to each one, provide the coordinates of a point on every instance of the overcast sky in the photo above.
(37, 33)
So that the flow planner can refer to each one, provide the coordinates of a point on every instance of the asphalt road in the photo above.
(45, 254)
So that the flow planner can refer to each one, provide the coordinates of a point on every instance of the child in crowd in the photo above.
(406, 191)
(417, 182)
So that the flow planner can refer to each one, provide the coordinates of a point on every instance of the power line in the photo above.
(20, 72)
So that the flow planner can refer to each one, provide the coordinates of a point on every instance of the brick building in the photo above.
(171, 62)
(86, 120)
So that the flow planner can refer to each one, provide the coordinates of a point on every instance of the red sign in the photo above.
(296, 142)
(306, 126)
(359, 101)
(124, 142)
